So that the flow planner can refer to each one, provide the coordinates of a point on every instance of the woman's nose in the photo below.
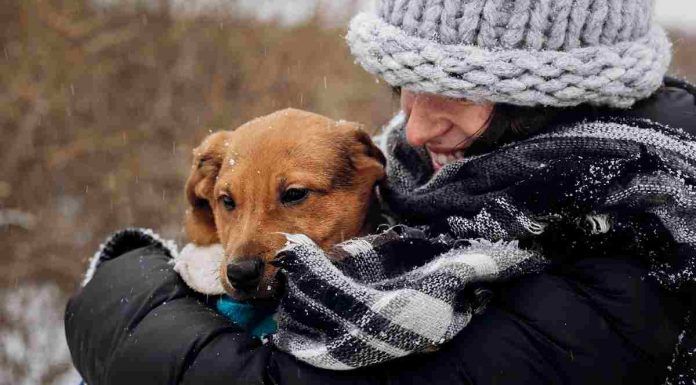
(422, 125)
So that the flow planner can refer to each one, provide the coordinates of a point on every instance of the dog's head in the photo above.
(288, 172)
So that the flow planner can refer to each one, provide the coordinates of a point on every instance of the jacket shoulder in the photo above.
(125, 241)
(598, 312)
(673, 105)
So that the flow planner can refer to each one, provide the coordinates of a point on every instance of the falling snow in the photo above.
(32, 337)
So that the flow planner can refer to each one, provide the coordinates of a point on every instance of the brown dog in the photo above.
(288, 172)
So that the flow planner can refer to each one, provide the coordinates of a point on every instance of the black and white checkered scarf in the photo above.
(487, 218)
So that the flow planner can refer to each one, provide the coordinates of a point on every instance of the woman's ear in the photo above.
(207, 160)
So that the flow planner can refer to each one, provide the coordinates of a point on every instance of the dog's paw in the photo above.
(199, 267)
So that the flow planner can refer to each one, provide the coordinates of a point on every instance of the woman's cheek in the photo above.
(406, 102)
(474, 118)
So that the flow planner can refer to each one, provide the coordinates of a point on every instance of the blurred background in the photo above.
(102, 101)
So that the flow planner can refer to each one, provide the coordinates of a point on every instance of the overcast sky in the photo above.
(671, 13)
(677, 13)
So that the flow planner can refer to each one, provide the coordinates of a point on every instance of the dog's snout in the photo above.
(245, 275)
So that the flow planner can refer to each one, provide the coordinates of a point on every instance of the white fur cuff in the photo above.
(199, 267)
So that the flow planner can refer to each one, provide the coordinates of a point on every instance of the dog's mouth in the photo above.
(271, 297)
(267, 292)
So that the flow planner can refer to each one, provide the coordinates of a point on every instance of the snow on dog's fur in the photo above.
(288, 172)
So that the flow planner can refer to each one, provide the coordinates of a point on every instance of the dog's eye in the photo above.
(293, 196)
(228, 202)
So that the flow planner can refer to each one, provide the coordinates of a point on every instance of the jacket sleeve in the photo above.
(135, 321)
(601, 323)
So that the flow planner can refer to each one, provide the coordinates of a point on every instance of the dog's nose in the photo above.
(245, 275)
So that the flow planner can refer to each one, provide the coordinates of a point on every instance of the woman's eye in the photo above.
(294, 195)
(228, 203)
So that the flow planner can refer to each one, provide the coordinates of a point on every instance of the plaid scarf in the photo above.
(487, 218)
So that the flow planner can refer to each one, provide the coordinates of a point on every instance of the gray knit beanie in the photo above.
(523, 52)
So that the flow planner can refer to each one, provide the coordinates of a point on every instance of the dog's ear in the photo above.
(366, 157)
(207, 160)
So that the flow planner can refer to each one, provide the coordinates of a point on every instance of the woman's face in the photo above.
(445, 126)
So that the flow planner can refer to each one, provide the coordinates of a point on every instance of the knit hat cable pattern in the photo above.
(522, 52)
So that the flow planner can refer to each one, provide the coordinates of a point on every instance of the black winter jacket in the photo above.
(593, 321)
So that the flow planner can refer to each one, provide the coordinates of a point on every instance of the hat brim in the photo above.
(613, 75)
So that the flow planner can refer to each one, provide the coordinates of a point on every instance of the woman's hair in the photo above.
(508, 123)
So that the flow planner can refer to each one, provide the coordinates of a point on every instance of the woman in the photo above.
(543, 124)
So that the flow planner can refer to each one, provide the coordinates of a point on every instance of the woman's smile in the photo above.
(442, 157)
(445, 126)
